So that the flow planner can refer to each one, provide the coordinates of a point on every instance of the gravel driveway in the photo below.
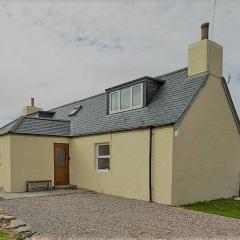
(89, 215)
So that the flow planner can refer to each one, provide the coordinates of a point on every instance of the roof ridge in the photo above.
(17, 124)
(172, 72)
(99, 94)
(64, 105)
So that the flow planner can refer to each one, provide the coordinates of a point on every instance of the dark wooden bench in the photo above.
(39, 185)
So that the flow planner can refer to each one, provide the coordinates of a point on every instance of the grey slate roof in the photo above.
(5, 129)
(38, 126)
(166, 107)
(44, 127)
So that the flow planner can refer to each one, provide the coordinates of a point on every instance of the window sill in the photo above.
(103, 170)
(125, 110)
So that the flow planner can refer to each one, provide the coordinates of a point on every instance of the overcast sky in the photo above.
(62, 51)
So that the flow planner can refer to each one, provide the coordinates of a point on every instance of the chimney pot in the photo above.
(204, 30)
(32, 102)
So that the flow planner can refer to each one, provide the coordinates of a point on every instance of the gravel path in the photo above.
(93, 216)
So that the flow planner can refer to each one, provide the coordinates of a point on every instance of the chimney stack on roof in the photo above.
(30, 109)
(204, 30)
(205, 55)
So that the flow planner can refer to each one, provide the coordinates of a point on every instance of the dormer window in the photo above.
(126, 98)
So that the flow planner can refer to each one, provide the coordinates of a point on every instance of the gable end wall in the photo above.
(206, 152)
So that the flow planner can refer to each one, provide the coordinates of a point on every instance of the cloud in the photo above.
(63, 52)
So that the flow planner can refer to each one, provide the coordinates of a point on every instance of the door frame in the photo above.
(66, 146)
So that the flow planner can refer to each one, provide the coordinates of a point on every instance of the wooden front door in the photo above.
(61, 164)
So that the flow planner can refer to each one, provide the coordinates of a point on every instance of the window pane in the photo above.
(125, 98)
(136, 95)
(103, 163)
(60, 157)
(103, 150)
(114, 101)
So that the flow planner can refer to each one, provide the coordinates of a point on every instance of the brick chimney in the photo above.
(30, 109)
(205, 55)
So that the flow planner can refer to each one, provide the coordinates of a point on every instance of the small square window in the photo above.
(103, 157)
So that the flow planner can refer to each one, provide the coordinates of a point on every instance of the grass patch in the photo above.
(6, 236)
(223, 207)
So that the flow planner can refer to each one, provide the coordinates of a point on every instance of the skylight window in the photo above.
(126, 98)
(74, 111)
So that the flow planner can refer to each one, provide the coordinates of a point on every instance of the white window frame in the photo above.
(105, 156)
(110, 110)
(131, 100)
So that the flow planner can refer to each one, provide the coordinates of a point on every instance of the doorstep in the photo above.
(64, 187)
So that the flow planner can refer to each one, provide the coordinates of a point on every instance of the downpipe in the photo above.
(150, 164)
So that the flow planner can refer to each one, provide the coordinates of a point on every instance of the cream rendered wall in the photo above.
(206, 153)
(129, 173)
(32, 158)
(5, 164)
(162, 152)
(129, 164)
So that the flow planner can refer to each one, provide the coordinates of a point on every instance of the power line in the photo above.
(211, 37)
(213, 18)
